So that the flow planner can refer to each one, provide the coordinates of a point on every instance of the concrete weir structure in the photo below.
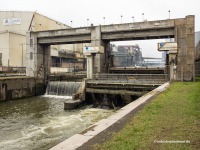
(182, 29)
(78, 140)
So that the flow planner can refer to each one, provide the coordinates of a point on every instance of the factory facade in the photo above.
(13, 28)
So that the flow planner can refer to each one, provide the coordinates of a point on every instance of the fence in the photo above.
(197, 69)
(129, 78)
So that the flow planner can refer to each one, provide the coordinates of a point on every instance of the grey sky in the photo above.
(78, 11)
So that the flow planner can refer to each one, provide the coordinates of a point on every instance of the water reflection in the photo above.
(41, 122)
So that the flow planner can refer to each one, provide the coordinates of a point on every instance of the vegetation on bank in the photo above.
(170, 121)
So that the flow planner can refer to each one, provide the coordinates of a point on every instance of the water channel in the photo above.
(41, 122)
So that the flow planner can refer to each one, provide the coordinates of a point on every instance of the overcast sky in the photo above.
(78, 11)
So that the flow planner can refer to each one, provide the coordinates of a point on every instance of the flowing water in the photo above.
(39, 123)
(62, 88)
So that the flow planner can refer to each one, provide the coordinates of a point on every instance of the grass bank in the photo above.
(170, 121)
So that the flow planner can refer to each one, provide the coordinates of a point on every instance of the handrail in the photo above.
(129, 76)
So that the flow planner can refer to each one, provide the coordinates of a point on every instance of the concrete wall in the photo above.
(17, 49)
(15, 88)
(4, 48)
(11, 48)
(25, 17)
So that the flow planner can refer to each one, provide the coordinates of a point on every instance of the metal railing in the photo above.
(129, 78)
(12, 71)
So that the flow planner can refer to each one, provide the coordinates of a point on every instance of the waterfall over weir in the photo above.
(57, 88)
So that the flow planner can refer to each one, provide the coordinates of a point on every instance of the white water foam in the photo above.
(57, 96)
(54, 128)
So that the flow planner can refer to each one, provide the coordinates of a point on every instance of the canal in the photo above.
(41, 122)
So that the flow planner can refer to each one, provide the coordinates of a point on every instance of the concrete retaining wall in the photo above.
(14, 88)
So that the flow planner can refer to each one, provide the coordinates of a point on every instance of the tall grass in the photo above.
(170, 121)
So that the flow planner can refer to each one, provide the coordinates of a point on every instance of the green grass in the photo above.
(173, 115)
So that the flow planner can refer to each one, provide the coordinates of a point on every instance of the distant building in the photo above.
(197, 38)
(67, 61)
(126, 55)
(13, 28)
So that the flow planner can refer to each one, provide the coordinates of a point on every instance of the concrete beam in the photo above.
(64, 32)
(121, 92)
(139, 35)
(122, 86)
(138, 30)
(65, 39)
(159, 24)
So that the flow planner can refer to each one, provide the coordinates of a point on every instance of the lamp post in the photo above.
(71, 23)
(121, 18)
(104, 20)
(143, 16)
(169, 14)
(87, 21)
(133, 19)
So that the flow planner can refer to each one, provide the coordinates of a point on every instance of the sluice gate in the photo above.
(115, 90)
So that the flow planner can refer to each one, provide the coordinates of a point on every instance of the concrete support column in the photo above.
(90, 66)
(172, 66)
(38, 58)
(96, 41)
(31, 57)
(108, 59)
(46, 61)
(185, 38)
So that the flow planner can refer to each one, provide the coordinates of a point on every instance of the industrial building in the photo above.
(13, 28)
(126, 55)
